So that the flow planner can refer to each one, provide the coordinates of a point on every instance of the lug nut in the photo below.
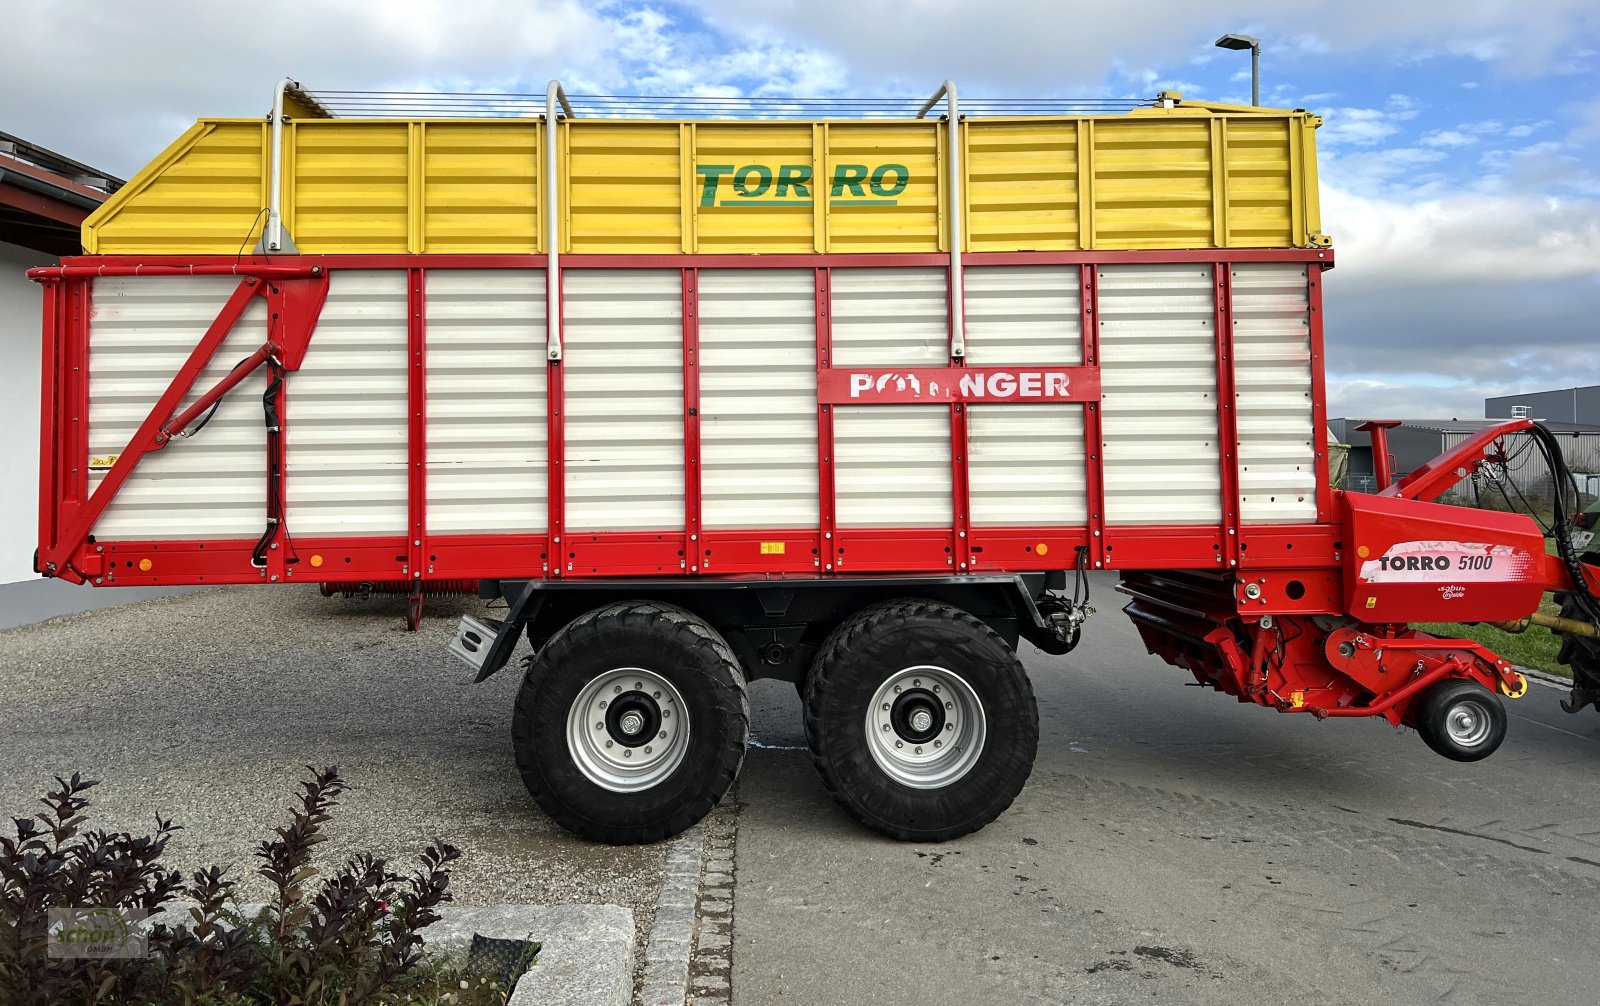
(627, 752)
(648, 749)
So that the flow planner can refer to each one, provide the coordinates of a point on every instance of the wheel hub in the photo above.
(1467, 724)
(628, 729)
(926, 727)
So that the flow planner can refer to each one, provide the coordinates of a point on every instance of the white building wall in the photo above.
(20, 304)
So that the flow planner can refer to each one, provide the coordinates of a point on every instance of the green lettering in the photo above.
(902, 175)
(798, 175)
(741, 181)
(851, 176)
(713, 175)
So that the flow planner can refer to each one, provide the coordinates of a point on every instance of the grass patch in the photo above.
(1534, 648)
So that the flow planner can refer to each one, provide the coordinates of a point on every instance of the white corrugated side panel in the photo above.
(623, 363)
(1272, 376)
(891, 462)
(141, 330)
(346, 436)
(487, 379)
(758, 398)
(1026, 462)
(1158, 374)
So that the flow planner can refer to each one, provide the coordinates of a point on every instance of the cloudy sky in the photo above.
(1460, 157)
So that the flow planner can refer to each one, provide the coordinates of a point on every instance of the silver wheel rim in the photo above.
(607, 735)
(926, 727)
(1468, 723)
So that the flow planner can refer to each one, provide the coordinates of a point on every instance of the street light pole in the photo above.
(1252, 43)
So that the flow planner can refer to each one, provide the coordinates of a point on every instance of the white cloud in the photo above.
(1462, 238)
(1365, 127)
(1447, 138)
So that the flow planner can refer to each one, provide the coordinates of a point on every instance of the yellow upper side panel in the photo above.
(1189, 177)
(203, 196)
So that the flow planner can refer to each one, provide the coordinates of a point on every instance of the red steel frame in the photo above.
(418, 556)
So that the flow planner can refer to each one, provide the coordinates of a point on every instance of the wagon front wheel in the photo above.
(631, 723)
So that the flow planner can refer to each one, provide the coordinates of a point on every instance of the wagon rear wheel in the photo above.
(920, 720)
(631, 723)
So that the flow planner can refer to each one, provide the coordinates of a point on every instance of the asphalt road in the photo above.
(1174, 846)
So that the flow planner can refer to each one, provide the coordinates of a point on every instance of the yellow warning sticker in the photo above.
(102, 462)
(773, 547)
(1372, 602)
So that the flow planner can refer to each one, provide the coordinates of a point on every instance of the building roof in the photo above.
(1546, 391)
(1469, 425)
(45, 196)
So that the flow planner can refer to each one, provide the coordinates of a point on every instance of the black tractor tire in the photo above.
(1582, 657)
(665, 641)
(1479, 729)
(891, 640)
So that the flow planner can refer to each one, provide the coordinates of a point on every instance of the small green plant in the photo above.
(348, 938)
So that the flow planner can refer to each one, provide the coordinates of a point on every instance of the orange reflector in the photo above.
(144, 565)
(316, 560)
(1042, 549)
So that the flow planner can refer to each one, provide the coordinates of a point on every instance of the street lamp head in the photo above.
(1238, 42)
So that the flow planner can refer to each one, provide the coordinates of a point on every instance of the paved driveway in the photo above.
(206, 707)
(1176, 847)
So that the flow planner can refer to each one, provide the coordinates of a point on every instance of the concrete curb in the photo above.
(1545, 678)
(711, 972)
(688, 958)
(585, 956)
(671, 940)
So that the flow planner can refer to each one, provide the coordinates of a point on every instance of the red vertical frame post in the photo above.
(556, 437)
(1227, 411)
(1319, 392)
(417, 436)
(960, 472)
(691, 420)
(827, 500)
(75, 443)
(52, 356)
(1093, 459)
